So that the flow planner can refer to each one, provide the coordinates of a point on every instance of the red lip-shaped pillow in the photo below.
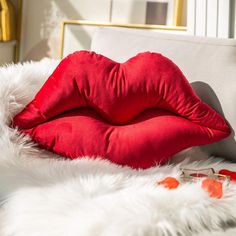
(138, 113)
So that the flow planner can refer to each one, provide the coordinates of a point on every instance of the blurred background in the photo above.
(33, 29)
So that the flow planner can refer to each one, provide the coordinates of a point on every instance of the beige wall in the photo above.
(41, 22)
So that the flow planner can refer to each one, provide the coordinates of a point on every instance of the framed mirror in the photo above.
(168, 15)
(77, 34)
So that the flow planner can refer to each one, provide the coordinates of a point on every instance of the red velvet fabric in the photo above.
(137, 113)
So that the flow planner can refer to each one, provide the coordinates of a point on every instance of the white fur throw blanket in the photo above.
(44, 195)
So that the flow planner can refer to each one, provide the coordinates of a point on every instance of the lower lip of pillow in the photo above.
(150, 139)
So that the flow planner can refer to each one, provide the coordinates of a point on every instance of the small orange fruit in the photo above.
(213, 187)
(169, 182)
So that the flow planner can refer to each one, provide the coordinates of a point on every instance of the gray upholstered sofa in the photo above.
(210, 64)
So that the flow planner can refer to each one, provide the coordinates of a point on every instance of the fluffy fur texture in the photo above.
(42, 194)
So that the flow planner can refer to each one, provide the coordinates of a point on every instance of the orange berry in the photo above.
(213, 187)
(169, 182)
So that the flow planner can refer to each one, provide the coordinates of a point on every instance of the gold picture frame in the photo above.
(177, 16)
(108, 24)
